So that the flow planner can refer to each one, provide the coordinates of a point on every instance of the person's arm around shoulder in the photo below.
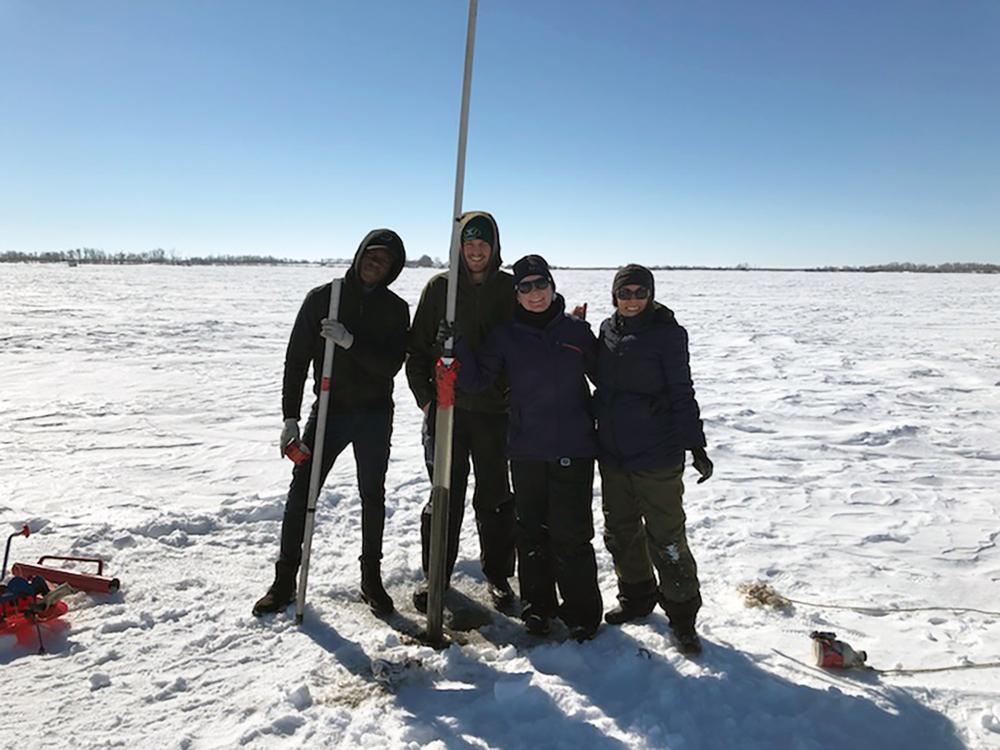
(590, 348)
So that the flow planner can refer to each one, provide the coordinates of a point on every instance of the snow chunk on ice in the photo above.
(168, 690)
(123, 541)
(283, 726)
(172, 527)
(300, 697)
(507, 653)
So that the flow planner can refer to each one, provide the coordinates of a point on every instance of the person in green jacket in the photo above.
(485, 299)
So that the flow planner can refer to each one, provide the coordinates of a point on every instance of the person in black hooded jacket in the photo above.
(484, 300)
(370, 334)
(647, 419)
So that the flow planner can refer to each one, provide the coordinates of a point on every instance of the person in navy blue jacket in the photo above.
(647, 419)
(551, 442)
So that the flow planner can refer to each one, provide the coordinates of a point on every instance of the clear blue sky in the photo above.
(790, 133)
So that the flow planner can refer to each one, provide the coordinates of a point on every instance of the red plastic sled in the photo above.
(21, 621)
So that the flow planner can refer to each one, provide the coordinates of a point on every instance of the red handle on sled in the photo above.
(25, 532)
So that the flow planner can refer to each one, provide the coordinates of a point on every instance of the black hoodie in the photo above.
(479, 308)
(378, 319)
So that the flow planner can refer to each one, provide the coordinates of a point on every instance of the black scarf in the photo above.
(636, 322)
(541, 319)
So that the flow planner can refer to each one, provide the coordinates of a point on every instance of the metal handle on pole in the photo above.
(317, 455)
(445, 417)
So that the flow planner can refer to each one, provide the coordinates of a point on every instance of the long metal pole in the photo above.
(445, 416)
(317, 455)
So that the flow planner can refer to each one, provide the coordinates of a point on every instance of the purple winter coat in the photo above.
(551, 416)
(647, 414)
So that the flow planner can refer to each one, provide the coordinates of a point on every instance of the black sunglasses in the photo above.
(640, 293)
(526, 286)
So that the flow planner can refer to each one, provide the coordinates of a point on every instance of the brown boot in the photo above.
(280, 594)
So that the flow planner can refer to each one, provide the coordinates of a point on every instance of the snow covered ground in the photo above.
(855, 425)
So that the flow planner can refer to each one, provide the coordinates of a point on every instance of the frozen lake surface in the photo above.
(854, 420)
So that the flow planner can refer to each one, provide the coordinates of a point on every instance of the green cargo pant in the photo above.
(644, 529)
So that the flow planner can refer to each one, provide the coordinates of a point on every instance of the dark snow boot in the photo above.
(373, 593)
(537, 625)
(421, 595)
(279, 595)
(581, 633)
(635, 601)
(501, 594)
(689, 643)
(682, 617)
(420, 599)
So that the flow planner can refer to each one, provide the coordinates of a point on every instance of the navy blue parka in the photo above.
(647, 414)
(551, 415)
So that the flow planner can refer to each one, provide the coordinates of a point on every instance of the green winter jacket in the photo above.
(479, 308)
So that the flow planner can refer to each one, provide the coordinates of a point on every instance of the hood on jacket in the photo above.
(381, 238)
(495, 261)
(654, 314)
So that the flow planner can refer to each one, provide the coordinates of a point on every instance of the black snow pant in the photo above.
(481, 436)
(369, 433)
(555, 526)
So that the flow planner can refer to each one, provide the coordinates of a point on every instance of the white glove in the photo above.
(334, 331)
(289, 433)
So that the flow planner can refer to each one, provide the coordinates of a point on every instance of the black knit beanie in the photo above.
(479, 227)
(633, 273)
(532, 265)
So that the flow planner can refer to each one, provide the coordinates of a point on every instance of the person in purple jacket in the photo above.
(551, 442)
(647, 419)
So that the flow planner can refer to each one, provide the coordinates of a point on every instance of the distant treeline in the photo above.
(159, 256)
(887, 267)
(918, 268)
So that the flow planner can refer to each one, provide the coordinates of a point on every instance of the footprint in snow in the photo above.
(873, 538)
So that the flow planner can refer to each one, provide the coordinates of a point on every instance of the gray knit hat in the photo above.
(633, 273)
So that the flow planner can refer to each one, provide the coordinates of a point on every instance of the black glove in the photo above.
(445, 331)
(702, 464)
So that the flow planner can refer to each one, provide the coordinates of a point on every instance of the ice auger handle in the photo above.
(100, 563)
(25, 532)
